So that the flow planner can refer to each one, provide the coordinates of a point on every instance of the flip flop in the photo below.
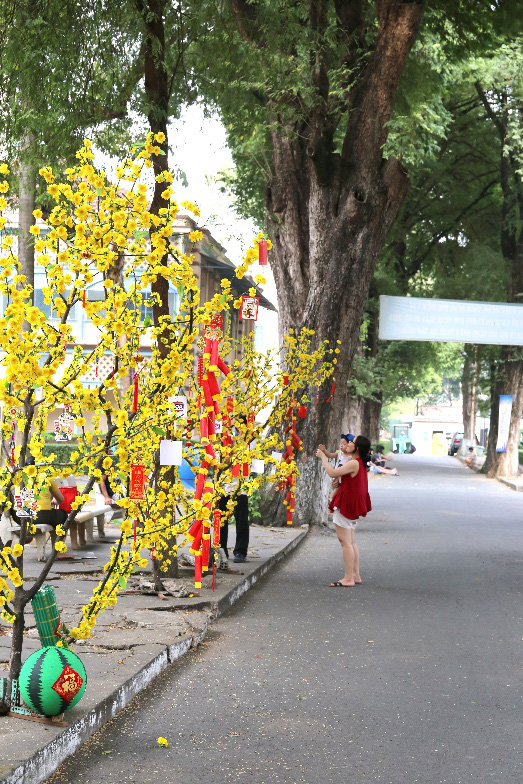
(339, 584)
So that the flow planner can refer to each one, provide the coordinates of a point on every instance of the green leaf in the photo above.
(122, 582)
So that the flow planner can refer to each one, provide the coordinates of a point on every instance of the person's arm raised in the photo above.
(351, 467)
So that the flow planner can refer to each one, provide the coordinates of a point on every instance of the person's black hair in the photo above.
(380, 448)
(362, 444)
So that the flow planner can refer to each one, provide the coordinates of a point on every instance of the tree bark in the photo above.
(27, 203)
(157, 90)
(507, 378)
(469, 395)
(328, 215)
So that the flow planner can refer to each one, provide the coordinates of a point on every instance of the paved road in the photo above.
(413, 677)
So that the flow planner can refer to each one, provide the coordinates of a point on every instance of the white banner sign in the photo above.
(448, 320)
(505, 410)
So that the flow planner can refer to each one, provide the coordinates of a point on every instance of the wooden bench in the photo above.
(81, 529)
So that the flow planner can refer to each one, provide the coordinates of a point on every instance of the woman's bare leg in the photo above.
(345, 539)
(357, 578)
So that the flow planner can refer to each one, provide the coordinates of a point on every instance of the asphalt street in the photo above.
(415, 676)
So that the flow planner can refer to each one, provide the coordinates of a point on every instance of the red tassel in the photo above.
(262, 252)
(135, 393)
(286, 381)
(332, 391)
(84, 297)
(213, 576)
(200, 370)
(134, 531)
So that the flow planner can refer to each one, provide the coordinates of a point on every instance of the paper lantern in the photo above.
(262, 252)
(52, 680)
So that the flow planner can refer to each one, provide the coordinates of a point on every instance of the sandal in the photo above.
(339, 584)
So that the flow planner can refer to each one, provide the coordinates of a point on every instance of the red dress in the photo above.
(352, 498)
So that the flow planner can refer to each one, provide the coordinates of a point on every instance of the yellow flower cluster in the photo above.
(103, 232)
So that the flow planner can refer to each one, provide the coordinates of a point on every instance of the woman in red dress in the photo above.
(351, 502)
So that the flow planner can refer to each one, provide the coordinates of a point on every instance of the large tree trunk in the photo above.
(26, 205)
(508, 378)
(157, 91)
(328, 214)
(371, 419)
(469, 395)
(325, 247)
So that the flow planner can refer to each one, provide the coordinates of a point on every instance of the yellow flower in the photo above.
(17, 550)
(37, 214)
(163, 742)
(60, 547)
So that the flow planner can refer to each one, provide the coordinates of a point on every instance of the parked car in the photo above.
(455, 443)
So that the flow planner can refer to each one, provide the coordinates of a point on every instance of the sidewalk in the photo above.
(515, 483)
(131, 644)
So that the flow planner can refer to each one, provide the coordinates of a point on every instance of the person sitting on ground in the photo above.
(378, 462)
(342, 456)
(470, 459)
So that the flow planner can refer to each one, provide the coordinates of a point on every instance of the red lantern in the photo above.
(262, 252)
(302, 412)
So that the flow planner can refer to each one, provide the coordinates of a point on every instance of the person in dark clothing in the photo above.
(241, 516)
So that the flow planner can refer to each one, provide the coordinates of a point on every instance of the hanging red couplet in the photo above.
(262, 252)
(249, 308)
(137, 483)
(216, 528)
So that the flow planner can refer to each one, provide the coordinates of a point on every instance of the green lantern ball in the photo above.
(52, 680)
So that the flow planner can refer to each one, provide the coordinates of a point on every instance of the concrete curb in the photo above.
(513, 483)
(47, 759)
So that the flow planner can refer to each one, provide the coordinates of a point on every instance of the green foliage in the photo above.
(255, 506)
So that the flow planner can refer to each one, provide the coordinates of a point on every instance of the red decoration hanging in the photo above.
(137, 483)
(217, 518)
(84, 297)
(262, 252)
(249, 308)
(135, 393)
(200, 370)
(134, 530)
(286, 381)
(302, 412)
(332, 391)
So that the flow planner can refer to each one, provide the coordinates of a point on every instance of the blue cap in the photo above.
(347, 436)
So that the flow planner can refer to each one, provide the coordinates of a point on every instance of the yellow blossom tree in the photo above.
(100, 230)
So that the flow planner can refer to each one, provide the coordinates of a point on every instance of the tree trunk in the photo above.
(324, 254)
(17, 639)
(469, 395)
(371, 420)
(329, 211)
(507, 379)
(27, 203)
(157, 90)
